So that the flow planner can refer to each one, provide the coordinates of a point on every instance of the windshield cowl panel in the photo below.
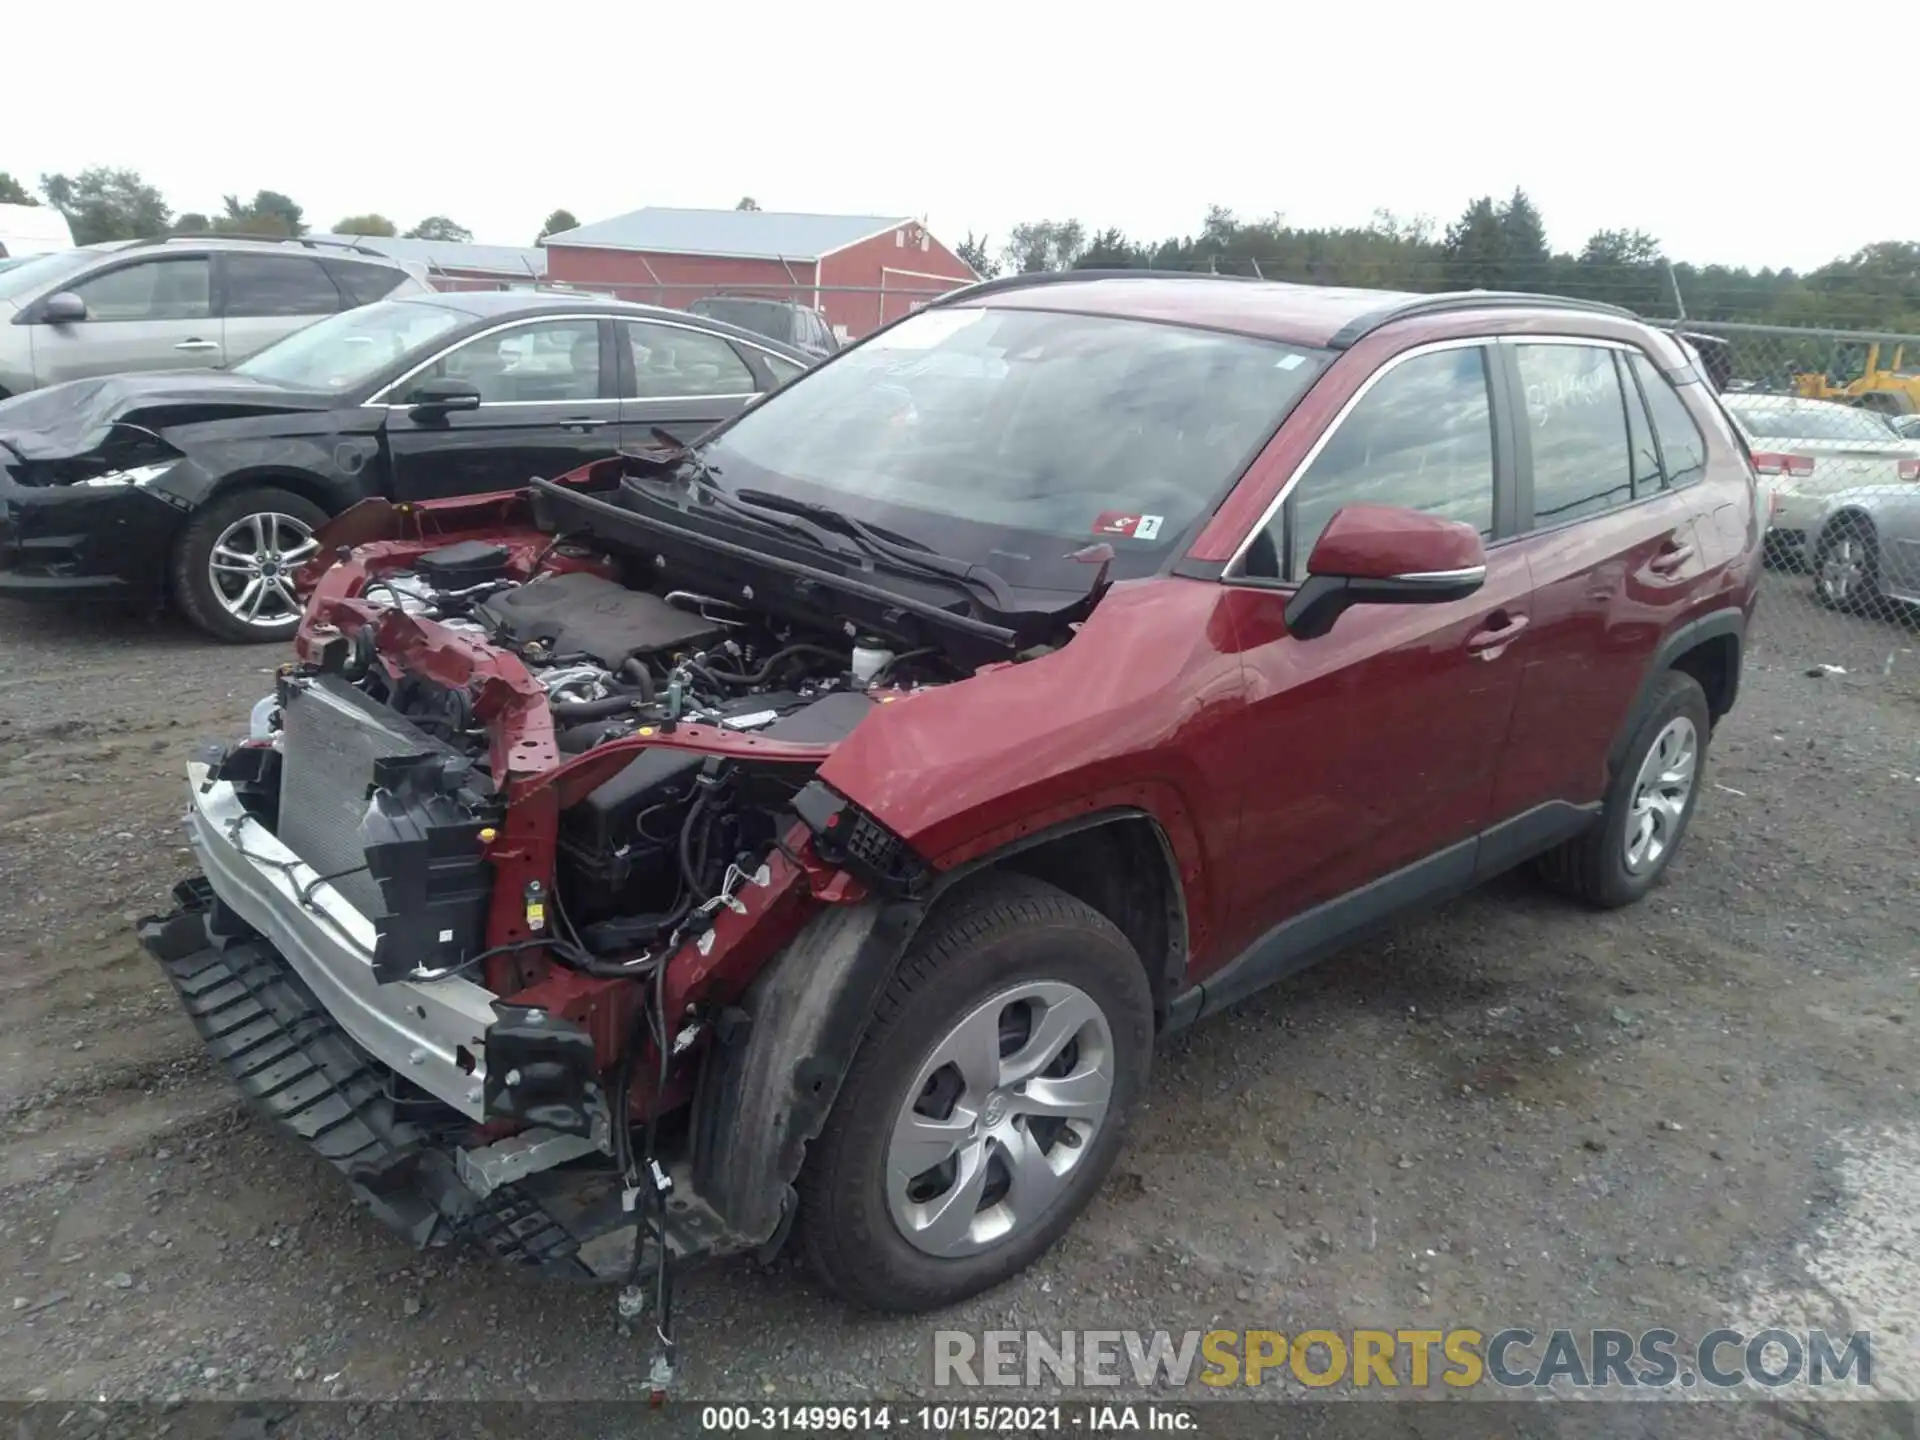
(1013, 438)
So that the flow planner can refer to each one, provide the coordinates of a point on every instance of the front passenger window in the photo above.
(551, 362)
(177, 288)
(1421, 438)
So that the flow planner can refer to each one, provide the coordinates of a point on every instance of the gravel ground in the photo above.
(1694, 1113)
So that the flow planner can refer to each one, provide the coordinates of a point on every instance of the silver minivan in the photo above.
(176, 303)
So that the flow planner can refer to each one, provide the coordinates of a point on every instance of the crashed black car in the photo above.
(205, 487)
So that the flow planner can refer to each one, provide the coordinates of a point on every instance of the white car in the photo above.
(1808, 451)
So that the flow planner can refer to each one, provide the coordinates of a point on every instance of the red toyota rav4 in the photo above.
(808, 831)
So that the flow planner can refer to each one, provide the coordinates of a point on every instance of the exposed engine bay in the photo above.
(653, 842)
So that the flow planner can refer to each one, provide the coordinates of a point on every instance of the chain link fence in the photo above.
(1832, 418)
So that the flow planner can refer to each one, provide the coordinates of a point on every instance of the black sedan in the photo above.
(206, 486)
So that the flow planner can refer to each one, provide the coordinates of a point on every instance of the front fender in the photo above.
(775, 1069)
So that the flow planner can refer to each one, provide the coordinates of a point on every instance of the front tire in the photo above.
(986, 1102)
(1648, 806)
(234, 561)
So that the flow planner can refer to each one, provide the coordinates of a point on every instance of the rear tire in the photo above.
(1846, 565)
(239, 549)
(938, 1175)
(1645, 815)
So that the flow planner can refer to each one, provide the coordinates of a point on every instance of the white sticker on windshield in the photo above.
(925, 329)
(1289, 362)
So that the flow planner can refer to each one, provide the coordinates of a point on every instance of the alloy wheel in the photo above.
(1842, 572)
(1000, 1113)
(1660, 795)
(252, 567)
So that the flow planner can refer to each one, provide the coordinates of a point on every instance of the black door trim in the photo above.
(1312, 935)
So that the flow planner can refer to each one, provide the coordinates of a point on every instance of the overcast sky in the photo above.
(977, 116)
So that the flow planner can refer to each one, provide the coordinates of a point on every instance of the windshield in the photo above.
(349, 349)
(24, 275)
(982, 431)
(1814, 422)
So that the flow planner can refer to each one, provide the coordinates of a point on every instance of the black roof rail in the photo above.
(308, 241)
(1031, 279)
(1362, 326)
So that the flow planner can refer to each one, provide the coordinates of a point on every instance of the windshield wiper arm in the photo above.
(906, 553)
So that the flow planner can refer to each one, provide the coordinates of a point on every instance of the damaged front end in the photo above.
(523, 902)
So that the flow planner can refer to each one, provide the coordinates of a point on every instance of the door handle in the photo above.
(1499, 631)
(196, 343)
(1671, 558)
(581, 422)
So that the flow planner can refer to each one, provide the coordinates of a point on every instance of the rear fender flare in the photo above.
(1711, 626)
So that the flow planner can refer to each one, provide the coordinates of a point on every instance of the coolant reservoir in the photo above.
(870, 657)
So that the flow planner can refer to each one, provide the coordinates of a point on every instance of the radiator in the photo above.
(331, 734)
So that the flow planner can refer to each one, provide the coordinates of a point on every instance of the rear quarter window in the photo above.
(1683, 449)
(362, 283)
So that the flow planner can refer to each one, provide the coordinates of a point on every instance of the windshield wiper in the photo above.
(795, 515)
(906, 553)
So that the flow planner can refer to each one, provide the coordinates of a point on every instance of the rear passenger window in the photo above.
(278, 285)
(1577, 427)
(1682, 448)
(1421, 438)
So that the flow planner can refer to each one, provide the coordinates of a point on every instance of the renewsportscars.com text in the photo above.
(1514, 1358)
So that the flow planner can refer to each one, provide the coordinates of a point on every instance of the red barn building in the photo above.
(861, 271)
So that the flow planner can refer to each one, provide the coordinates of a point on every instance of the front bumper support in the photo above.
(287, 1054)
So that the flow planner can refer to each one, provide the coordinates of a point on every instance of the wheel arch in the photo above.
(1710, 649)
(770, 1079)
(304, 483)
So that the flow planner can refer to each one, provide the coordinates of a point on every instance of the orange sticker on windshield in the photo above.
(1126, 522)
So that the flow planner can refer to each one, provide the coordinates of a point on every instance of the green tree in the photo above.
(973, 250)
(1045, 245)
(368, 224)
(12, 192)
(1476, 247)
(1111, 250)
(747, 202)
(269, 214)
(107, 204)
(439, 227)
(1526, 238)
(556, 223)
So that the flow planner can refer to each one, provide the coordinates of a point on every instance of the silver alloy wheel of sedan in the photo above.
(999, 1114)
(1660, 794)
(252, 566)
(1843, 569)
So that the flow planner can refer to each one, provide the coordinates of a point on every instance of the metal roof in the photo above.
(754, 234)
(504, 260)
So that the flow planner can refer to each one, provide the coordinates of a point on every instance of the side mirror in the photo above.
(444, 394)
(63, 308)
(1383, 555)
